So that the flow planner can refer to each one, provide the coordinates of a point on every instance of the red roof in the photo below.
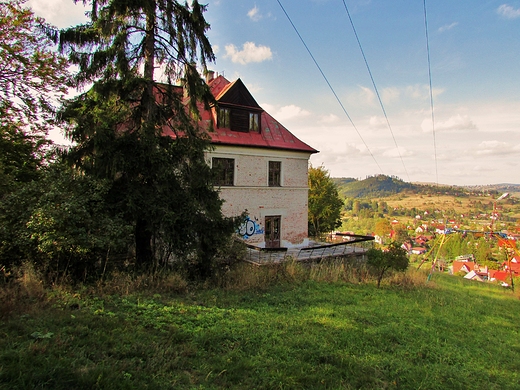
(458, 265)
(272, 133)
(515, 267)
(499, 275)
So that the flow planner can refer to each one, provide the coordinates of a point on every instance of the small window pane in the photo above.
(275, 173)
(223, 117)
(224, 171)
(253, 122)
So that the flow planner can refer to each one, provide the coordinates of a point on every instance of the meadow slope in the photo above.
(447, 333)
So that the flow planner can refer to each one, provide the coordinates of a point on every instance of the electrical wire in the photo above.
(330, 86)
(431, 91)
(375, 88)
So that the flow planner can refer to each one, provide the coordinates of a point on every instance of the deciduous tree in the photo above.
(32, 79)
(33, 75)
(382, 261)
(324, 202)
(20, 155)
(383, 228)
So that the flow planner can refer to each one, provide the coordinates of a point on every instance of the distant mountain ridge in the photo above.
(382, 185)
(503, 187)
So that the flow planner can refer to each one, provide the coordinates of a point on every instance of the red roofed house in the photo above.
(515, 267)
(262, 167)
(499, 275)
(463, 266)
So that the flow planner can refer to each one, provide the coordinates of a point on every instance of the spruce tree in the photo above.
(142, 134)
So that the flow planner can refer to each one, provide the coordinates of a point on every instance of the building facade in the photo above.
(261, 167)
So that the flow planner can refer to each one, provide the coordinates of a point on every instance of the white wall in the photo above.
(252, 193)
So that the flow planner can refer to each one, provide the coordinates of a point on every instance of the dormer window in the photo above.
(254, 122)
(223, 118)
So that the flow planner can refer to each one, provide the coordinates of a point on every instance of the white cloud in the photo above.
(362, 97)
(497, 148)
(376, 122)
(448, 27)
(393, 95)
(353, 150)
(390, 94)
(508, 12)
(254, 14)
(457, 122)
(289, 112)
(249, 53)
(329, 119)
(254, 88)
(60, 13)
(417, 91)
(395, 152)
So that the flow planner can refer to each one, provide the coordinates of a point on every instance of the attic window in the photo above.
(223, 118)
(254, 122)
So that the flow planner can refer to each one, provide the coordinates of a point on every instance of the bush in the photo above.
(380, 262)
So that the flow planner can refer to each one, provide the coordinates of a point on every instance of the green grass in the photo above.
(449, 334)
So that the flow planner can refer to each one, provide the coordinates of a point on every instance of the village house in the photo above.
(262, 167)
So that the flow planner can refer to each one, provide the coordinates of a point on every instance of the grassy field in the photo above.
(461, 205)
(433, 202)
(447, 334)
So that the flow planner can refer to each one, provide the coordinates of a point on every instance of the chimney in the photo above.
(209, 76)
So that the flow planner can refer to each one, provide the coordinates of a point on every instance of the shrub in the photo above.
(380, 262)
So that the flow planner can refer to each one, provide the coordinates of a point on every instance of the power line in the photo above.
(328, 83)
(431, 91)
(375, 88)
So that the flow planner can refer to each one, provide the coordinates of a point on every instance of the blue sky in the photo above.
(475, 70)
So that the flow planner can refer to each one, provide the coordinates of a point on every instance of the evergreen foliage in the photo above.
(142, 135)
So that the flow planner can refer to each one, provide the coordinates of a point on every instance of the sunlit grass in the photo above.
(296, 333)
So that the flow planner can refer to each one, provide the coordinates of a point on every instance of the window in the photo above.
(223, 118)
(224, 171)
(254, 120)
(275, 173)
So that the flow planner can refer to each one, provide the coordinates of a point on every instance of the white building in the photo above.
(262, 167)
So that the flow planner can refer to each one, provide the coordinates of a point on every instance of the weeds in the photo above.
(22, 290)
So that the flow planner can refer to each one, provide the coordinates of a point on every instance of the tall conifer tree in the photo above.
(120, 125)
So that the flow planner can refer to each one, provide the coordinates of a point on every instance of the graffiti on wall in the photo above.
(249, 228)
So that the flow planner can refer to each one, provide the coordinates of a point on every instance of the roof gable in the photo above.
(271, 135)
(236, 93)
(465, 266)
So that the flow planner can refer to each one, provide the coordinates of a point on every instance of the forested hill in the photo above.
(382, 185)
(373, 186)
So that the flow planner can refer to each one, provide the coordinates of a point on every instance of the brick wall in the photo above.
(252, 193)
